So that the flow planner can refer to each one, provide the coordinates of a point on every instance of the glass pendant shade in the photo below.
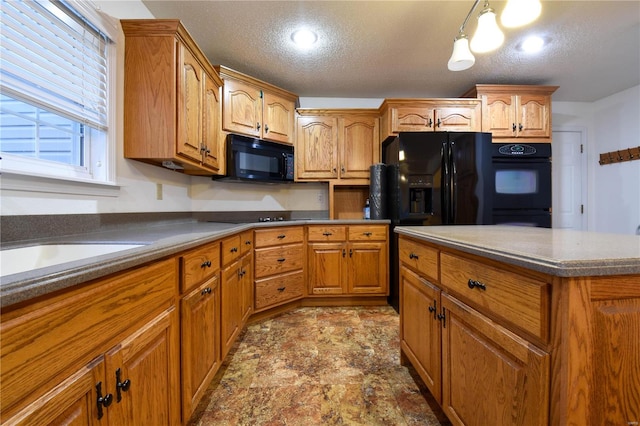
(488, 35)
(520, 12)
(461, 58)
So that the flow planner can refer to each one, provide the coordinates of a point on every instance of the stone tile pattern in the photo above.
(319, 366)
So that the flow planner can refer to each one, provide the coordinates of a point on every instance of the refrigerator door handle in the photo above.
(445, 183)
(453, 180)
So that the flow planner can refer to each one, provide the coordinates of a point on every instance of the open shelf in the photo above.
(346, 201)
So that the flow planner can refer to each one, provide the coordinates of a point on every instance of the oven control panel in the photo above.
(517, 149)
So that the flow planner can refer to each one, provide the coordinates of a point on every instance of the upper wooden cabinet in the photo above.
(336, 144)
(172, 99)
(429, 115)
(511, 112)
(254, 108)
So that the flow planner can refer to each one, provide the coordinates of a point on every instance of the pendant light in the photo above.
(461, 58)
(488, 35)
(520, 12)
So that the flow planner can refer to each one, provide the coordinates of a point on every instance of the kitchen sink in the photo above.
(16, 260)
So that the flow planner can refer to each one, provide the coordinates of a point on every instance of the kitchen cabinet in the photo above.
(236, 290)
(106, 351)
(453, 306)
(336, 144)
(254, 108)
(200, 323)
(429, 115)
(172, 100)
(513, 113)
(279, 266)
(347, 260)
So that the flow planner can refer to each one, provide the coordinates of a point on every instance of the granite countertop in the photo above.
(158, 241)
(558, 252)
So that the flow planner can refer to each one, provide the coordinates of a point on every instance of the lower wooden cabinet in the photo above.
(235, 300)
(347, 260)
(118, 335)
(480, 369)
(200, 325)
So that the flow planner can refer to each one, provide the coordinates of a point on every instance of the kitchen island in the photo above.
(516, 325)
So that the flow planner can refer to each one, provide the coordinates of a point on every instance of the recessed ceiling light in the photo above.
(532, 44)
(304, 38)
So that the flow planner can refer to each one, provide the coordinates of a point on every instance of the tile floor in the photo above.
(319, 366)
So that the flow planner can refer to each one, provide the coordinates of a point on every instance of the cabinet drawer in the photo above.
(420, 258)
(327, 233)
(273, 291)
(275, 260)
(198, 265)
(230, 249)
(368, 233)
(246, 241)
(278, 236)
(520, 300)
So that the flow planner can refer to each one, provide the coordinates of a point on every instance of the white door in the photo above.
(569, 177)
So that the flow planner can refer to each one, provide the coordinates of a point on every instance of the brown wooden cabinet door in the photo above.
(242, 110)
(412, 119)
(367, 268)
(278, 115)
(72, 402)
(200, 325)
(457, 119)
(246, 288)
(230, 306)
(327, 268)
(359, 146)
(420, 330)
(533, 116)
(498, 115)
(143, 373)
(211, 125)
(317, 148)
(189, 139)
(490, 375)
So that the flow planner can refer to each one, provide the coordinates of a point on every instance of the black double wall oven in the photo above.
(522, 189)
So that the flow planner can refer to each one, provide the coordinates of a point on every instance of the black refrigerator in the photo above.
(435, 178)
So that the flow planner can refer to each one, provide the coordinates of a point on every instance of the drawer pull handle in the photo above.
(282, 259)
(205, 291)
(367, 234)
(206, 264)
(281, 236)
(476, 284)
(413, 256)
(234, 249)
(248, 242)
(281, 289)
(327, 234)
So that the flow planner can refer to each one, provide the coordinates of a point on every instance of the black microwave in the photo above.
(258, 160)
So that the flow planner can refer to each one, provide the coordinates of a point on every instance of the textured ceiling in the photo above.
(378, 49)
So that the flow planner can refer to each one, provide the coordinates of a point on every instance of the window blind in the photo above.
(51, 57)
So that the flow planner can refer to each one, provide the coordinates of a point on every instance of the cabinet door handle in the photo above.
(266, 128)
(342, 169)
(350, 252)
(513, 127)
(432, 309)
(205, 291)
(442, 317)
(121, 386)
(327, 234)
(413, 256)
(281, 236)
(206, 264)
(344, 253)
(258, 126)
(102, 401)
(439, 123)
(430, 123)
(281, 289)
(476, 284)
(520, 126)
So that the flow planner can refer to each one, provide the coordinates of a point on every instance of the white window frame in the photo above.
(99, 177)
